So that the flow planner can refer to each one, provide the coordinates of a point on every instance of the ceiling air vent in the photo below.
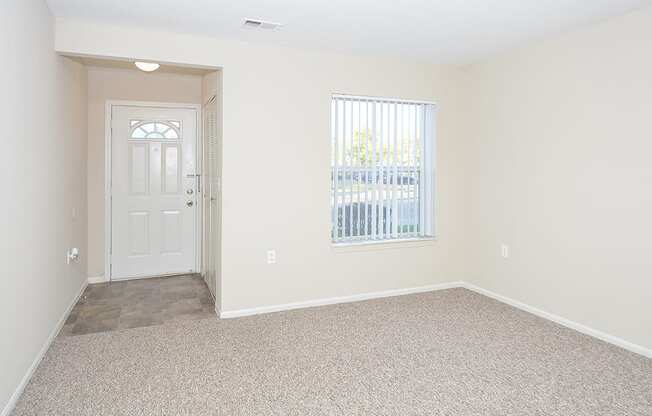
(260, 24)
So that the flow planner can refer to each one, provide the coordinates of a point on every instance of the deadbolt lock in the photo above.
(190, 191)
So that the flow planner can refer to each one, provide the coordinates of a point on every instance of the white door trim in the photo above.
(107, 175)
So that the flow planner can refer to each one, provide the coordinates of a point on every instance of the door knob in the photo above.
(190, 203)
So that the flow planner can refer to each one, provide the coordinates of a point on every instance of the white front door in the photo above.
(153, 190)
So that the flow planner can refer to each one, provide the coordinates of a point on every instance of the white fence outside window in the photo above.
(382, 170)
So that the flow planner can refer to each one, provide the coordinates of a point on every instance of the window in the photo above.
(382, 175)
(154, 130)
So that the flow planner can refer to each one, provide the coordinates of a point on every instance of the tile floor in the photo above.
(137, 303)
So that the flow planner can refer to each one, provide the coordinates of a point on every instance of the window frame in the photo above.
(427, 175)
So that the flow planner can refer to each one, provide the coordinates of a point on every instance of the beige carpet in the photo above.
(451, 352)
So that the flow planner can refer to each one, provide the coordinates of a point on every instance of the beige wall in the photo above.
(210, 86)
(43, 159)
(121, 84)
(276, 106)
(560, 161)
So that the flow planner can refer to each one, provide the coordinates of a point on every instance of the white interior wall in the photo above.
(276, 147)
(559, 161)
(121, 84)
(43, 159)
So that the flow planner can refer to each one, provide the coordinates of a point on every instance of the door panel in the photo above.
(172, 224)
(153, 189)
(138, 233)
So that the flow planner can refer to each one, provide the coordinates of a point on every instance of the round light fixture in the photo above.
(147, 66)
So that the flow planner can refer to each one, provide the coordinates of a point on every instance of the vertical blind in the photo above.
(381, 169)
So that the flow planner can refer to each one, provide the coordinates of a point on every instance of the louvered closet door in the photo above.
(211, 194)
(153, 188)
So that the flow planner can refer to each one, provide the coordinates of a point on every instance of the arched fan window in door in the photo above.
(155, 130)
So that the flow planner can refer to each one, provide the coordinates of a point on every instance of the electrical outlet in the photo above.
(72, 255)
(504, 250)
(271, 256)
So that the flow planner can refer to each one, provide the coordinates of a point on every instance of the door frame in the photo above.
(108, 242)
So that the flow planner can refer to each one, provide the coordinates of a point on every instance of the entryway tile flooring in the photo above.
(137, 303)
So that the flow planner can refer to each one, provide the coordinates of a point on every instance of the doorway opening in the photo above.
(153, 171)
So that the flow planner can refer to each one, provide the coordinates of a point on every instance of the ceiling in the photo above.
(438, 31)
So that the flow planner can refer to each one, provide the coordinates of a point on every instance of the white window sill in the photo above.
(354, 246)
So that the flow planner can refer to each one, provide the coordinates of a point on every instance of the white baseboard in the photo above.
(9, 407)
(344, 299)
(398, 292)
(639, 349)
(340, 299)
(96, 279)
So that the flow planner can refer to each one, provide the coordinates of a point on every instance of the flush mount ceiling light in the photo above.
(147, 66)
